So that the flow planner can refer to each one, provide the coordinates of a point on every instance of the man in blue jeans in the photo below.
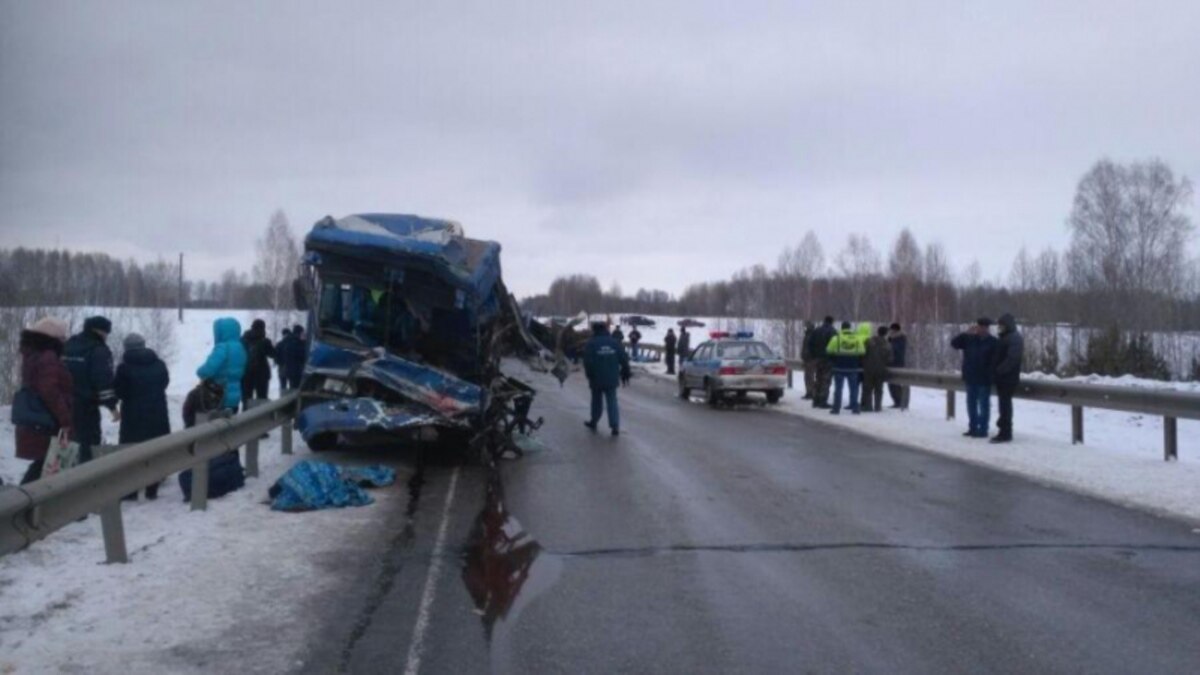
(978, 346)
(605, 363)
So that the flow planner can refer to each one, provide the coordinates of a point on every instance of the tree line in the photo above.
(1125, 270)
(61, 278)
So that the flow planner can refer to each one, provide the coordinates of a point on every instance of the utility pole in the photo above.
(181, 288)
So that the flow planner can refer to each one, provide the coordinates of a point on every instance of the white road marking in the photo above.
(416, 646)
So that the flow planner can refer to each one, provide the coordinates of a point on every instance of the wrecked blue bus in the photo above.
(408, 322)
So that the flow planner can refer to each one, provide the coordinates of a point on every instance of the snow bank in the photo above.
(197, 581)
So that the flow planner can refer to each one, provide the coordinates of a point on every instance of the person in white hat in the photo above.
(46, 387)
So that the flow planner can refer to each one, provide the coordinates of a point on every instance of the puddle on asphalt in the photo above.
(504, 570)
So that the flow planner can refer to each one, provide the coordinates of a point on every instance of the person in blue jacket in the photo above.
(605, 363)
(978, 346)
(227, 363)
(141, 385)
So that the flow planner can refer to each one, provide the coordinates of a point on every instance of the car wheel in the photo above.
(684, 392)
(712, 394)
(774, 395)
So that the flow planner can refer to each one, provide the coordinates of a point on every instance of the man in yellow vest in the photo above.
(846, 350)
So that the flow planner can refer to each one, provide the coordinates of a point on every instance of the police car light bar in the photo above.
(739, 335)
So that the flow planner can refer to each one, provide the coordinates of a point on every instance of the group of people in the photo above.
(66, 381)
(853, 358)
(676, 347)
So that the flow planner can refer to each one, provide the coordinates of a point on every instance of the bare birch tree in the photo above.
(276, 266)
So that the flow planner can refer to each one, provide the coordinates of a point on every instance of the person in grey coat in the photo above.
(1006, 374)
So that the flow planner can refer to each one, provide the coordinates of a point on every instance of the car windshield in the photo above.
(743, 350)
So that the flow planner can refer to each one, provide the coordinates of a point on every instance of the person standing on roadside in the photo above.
(226, 364)
(90, 361)
(810, 368)
(290, 355)
(635, 337)
(847, 349)
(978, 348)
(44, 376)
(899, 344)
(279, 349)
(259, 351)
(141, 385)
(669, 348)
(875, 367)
(818, 343)
(605, 364)
(685, 344)
(1006, 374)
(618, 335)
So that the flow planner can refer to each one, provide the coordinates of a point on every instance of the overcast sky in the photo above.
(653, 144)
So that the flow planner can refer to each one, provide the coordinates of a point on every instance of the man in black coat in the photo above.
(259, 352)
(141, 385)
(279, 349)
(685, 344)
(91, 364)
(899, 342)
(1006, 374)
(669, 347)
(290, 354)
(810, 366)
(818, 340)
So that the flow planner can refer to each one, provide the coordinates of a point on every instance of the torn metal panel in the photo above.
(362, 415)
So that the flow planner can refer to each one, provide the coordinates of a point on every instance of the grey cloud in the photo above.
(652, 143)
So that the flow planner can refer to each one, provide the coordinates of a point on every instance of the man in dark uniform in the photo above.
(606, 364)
(91, 364)
(685, 344)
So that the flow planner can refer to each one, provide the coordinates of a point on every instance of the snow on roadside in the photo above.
(200, 585)
(1121, 460)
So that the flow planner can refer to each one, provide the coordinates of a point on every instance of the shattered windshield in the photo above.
(371, 316)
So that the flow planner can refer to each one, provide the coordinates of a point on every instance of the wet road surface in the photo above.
(750, 541)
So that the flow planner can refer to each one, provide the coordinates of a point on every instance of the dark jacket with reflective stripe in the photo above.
(605, 361)
(91, 364)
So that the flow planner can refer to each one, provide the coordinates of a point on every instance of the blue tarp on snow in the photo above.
(312, 485)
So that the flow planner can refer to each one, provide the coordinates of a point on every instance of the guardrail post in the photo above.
(1170, 439)
(1076, 424)
(252, 446)
(949, 404)
(286, 430)
(113, 529)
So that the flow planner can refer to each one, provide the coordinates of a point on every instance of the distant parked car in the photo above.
(637, 320)
(689, 323)
(733, 365)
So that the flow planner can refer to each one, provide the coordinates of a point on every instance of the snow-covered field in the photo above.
(1121, 460)
(193, 579)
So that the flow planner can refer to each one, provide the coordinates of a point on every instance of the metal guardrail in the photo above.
(1170, 405)
(36, 510)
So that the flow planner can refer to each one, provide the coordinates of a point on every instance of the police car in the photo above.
(732, 365)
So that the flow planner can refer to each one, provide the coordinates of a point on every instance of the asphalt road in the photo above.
(752, 541)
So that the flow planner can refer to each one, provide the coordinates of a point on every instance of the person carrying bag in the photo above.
(42, 409)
